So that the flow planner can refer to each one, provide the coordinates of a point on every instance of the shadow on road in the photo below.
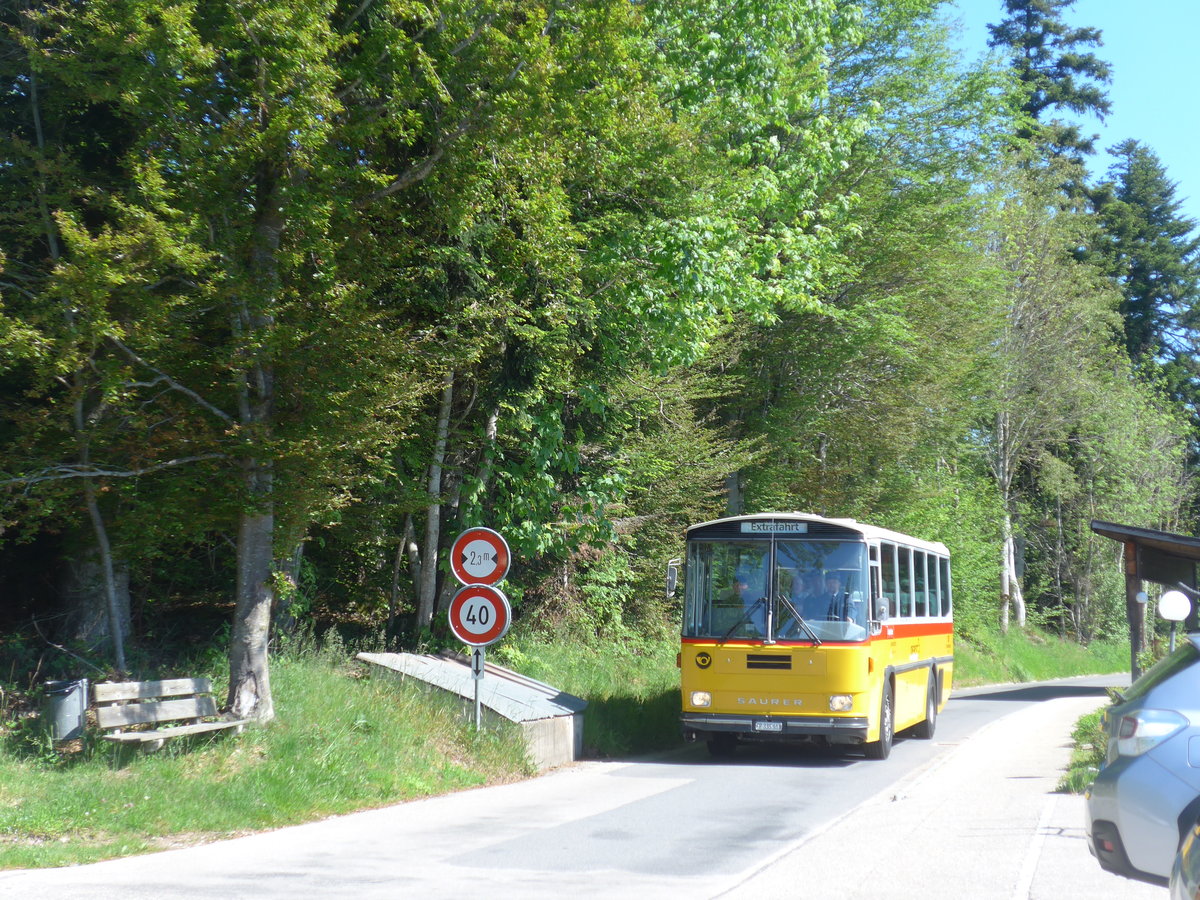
(768, 754)
(1034, 692)
(815, 756)
(807, 756)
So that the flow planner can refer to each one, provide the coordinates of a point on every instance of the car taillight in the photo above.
(1145, 729)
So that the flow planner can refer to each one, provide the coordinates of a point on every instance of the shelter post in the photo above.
(1133, 609)
(1158, 557)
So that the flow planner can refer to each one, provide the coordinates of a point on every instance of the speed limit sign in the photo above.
(479, 615)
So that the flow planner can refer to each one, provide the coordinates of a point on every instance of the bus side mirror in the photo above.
(879, 608)
(672, 577)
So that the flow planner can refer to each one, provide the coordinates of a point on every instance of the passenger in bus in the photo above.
(748, 592)
(804, 593)
(834, 598)
(810, 602)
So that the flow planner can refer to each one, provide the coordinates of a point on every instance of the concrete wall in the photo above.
(551, 721)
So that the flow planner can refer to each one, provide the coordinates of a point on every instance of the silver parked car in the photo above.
(1185, 874)
(1146, 798)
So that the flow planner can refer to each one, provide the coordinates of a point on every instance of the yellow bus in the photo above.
(798, 626)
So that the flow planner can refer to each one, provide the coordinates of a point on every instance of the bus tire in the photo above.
(924, 730)
(882, 748)
(722, 745)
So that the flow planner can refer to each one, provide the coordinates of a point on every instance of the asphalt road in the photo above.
(970, 814)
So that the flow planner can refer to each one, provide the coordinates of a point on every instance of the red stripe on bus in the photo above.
(914, 629)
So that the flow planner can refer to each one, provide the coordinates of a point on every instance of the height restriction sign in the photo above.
(479, 615)
(479, 556)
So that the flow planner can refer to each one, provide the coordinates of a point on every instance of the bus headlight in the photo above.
(701, 698)
(841, 703)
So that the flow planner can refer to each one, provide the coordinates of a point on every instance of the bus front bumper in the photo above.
(836, 729)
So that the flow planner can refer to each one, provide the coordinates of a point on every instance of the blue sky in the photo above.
(1154, 49)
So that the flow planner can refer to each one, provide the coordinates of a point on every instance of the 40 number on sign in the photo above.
(479, 615)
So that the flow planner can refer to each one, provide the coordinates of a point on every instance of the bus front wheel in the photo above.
(882, 748)
(722, 745)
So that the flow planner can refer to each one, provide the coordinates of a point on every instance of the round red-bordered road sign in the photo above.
(479, 556)
(479, 615)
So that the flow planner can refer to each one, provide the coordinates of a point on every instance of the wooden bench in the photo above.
(124, 704)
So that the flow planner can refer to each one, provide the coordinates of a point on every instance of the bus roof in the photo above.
(869, 532)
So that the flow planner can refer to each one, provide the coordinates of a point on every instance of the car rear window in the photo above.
(1186, 655)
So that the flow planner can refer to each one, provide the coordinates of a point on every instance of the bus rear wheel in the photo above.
(882, 748)
(924, 730)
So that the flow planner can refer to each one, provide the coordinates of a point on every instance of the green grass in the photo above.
(632, 689)
(341, 742)
(344, 741)
(1087, 755)
(1021, 656)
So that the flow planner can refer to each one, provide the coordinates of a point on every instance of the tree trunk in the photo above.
(1060, 567)
(736, 504)
(428, 592)
(254, 320)
(249, 679)
(1011, 595)
(116, 626)
(35, 105)
(83, 594)
(406, 547)
(450, 585)
(491, 429)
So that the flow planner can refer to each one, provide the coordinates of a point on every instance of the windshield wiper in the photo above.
(799, 619)
(744, 619)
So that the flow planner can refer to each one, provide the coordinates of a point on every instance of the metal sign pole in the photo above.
(480, 613)
(477, 667)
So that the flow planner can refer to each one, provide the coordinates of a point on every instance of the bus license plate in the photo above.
(768, 726)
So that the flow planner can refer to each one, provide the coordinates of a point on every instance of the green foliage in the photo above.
(632, 687)
(1150, 248)
(1034, 655)
(1056, 71)
(1088, 754)
(1153, 253)
(343, 742)
(670, 260)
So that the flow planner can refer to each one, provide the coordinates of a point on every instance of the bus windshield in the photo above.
(776, 590)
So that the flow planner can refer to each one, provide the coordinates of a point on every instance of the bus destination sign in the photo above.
(773, 527)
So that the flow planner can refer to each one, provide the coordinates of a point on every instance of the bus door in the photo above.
(878, 606)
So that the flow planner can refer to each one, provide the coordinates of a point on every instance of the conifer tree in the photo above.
(1058, 73)
(1153, 251)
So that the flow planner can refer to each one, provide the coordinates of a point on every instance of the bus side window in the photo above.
(919, 585)
(935, 588)
(888, 559)
(906, 581)
(947, 595)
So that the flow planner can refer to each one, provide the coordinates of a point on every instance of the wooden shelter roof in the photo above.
(1176, 545)
(1158, 556)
